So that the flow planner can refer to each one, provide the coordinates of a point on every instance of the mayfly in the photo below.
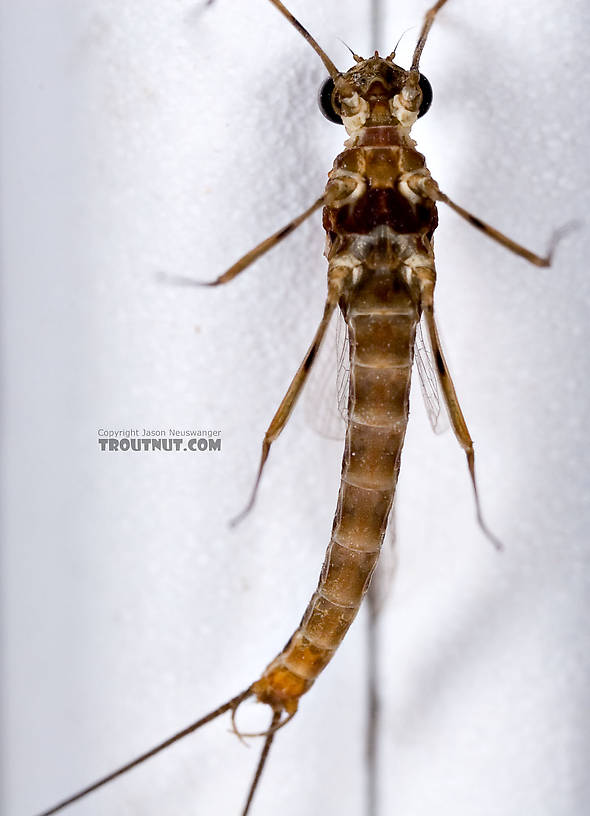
(380, 213)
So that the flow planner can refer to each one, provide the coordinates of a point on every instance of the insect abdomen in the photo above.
(381, 318)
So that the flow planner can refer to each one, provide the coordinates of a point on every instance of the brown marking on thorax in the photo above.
(382, 203)
(382, 135)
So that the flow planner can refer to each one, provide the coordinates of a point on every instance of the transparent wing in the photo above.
(429, 383)
(326, 398)
(326, 394)
(343, 357)
(382, 579)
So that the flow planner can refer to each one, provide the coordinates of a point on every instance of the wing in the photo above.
(343, 358)
(326, 400)
(382, 579)
(326, 395)
(429, 383)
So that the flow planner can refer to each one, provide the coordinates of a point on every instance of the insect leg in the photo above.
(426, 277)
(255, 253)
(288, 403)
(422, 184)
(496, 235)
(426, 26)
(336, 281)
(330, 67)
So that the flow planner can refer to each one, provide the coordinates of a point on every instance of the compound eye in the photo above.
(325, 101)
(426, 89)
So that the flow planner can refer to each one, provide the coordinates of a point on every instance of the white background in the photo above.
(141, 137)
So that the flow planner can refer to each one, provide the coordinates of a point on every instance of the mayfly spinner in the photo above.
(380, 214)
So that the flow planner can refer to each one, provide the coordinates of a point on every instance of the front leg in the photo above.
(421, 184)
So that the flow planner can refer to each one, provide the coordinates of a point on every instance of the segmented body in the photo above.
(379, 244)
(380, 215)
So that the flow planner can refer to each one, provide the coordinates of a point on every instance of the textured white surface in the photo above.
(141, 137)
